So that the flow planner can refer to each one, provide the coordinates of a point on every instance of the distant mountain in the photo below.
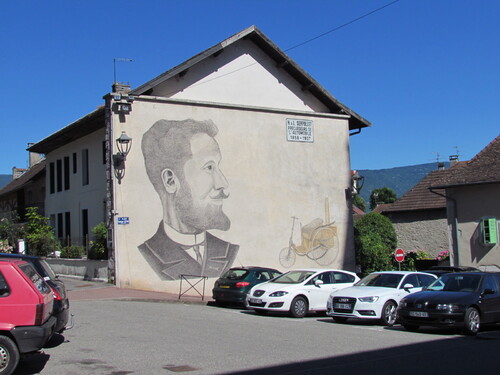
(5, 179)
(399, 179)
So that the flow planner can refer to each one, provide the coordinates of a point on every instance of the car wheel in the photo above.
(298, 308)
(389, 314)
(9, 355)
(411, 327)
(339, 319)
(472, 321)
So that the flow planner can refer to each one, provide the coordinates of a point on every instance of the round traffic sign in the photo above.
(399, 255)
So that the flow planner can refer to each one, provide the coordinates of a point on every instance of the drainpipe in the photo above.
(355, 132)
(456, 259)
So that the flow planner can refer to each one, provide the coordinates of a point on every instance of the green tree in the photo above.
(40, 238)
(382, 195)
(359, 202)
(99, 247)
(375, 240)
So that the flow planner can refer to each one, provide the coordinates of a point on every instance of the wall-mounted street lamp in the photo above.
(357, 182)
(123, 144)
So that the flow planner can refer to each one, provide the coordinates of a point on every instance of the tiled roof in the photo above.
(27, 176)
(420, 197)
(481, 169)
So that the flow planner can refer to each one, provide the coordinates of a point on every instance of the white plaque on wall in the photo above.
(299, 130)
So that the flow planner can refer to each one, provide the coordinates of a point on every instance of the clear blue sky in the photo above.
(426, 73)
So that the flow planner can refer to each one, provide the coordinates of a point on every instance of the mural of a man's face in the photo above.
(201, 194)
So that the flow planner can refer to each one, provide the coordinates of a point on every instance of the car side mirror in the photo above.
(318, 282)
(488, 291)
(408, 286)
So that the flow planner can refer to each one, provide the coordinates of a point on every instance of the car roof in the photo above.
(19, 256)
(401, 272)
(253, 268)
(318, 270)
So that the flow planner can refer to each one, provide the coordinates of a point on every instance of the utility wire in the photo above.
(343, 25)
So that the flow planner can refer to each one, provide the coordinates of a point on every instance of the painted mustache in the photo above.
(221, 195)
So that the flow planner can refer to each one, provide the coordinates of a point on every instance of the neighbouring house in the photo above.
(472, 191)
(26, 189)
(419, 217)
(235, 157)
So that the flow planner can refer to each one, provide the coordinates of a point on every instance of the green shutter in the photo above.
(489, 229)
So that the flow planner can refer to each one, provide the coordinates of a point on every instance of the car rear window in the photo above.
(293, 277)
(4, 287)
(48, 271)
(235, 274)
(35, 278)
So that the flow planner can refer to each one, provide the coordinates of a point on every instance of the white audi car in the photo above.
(299, 291)
(376, 296)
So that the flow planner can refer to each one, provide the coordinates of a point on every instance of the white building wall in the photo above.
(79, 197)
(242, 74)
(270, 180)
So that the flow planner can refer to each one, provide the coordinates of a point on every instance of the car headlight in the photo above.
(368, 299)
(279, 293)
(447, 306)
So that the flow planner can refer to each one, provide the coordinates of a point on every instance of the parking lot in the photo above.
(115, 337)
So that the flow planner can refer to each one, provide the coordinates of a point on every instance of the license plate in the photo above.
(225, 286)
(342, 306)
(255, 300)
(419, 314)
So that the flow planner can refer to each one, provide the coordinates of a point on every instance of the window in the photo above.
(103, 152)
(59, 174)
(67, 226)
(52, 178)
(343, 278)
(74, 163)
(60, 233)
(66, 173)
(85, 167)
(85, 226)
(4, 287)
(489, 283)
(326, 277)
(425, 280)
(411, 279)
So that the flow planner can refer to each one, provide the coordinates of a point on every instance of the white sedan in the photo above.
(376, 296)
(298, 291)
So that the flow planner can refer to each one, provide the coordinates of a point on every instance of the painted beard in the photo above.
(201, 218)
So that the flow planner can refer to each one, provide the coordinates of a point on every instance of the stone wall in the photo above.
(96, 270)
(421, 230)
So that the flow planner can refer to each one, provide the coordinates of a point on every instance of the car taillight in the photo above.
(241, 284)
(39, 314)
(56, 294)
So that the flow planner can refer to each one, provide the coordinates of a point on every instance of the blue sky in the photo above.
(425, 73)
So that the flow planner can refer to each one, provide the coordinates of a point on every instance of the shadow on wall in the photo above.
(93, 270)
(478, 250)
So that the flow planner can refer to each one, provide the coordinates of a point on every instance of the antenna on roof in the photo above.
(457, 151)
(119, 59)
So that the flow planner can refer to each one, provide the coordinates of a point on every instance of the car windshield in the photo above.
(235, 274)
(456, 283)
(386, 280)
(293, 277)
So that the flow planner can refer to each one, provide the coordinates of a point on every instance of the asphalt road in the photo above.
(130, 337)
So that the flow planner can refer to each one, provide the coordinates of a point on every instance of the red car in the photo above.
(26, 305)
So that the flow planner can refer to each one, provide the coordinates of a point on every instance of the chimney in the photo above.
(453, 160)
(120, 88)
(17, 172)
(34, 157)
(441, 166)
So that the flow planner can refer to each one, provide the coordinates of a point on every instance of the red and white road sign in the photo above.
(399, 255)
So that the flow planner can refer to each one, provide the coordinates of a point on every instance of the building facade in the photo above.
(235, 157)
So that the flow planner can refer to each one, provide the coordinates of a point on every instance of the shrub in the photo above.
(375, 240)
(98, 247)
(73, 252)
(40, 238)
